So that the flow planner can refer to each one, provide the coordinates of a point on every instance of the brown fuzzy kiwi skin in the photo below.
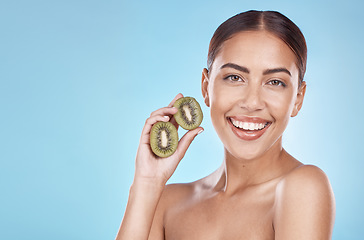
(155, 137)
(195, 108)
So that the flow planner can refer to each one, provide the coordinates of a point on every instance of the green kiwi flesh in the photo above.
(189, 115)
(163, 139)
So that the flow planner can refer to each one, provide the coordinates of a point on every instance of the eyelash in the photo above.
(239, 79)
(280, 83)
(235, 76)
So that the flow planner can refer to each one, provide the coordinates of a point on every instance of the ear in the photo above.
(299, 100)
(204, 86)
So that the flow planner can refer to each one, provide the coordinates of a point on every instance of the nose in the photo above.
(251, 98)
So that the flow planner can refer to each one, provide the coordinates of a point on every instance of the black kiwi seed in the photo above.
(189, 115)
(163, 139)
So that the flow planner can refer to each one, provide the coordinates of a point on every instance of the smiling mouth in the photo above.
(248, 126)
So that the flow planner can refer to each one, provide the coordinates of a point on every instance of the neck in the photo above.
(236, 174)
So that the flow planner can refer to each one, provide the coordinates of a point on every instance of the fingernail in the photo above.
(166, 117)
(200, 131)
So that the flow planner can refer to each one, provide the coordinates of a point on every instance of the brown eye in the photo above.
(276, 83)
(233, 78)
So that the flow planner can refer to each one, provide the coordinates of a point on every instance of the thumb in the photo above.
(186, 141)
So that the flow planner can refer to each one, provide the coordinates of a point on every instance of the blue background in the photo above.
(79, 78)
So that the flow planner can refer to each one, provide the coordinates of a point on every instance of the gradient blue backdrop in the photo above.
(79, 78)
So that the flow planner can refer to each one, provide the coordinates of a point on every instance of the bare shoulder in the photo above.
(173, 195)
(178, 191)
(307, 182)
(305, 175)
(305, 202)
(176, 194)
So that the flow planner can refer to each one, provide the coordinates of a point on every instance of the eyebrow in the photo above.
(235, 66)
(276, 70)
(246, 70)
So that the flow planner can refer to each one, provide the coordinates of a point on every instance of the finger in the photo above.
(166, 111)
(186, 141)
(174, 122)
(179, 95)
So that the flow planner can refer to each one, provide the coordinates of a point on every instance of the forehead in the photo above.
(256, 50)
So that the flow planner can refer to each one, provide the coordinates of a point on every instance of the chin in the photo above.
(244, 153)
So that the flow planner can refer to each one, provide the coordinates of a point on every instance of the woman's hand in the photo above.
(148, 166)
(151, 174)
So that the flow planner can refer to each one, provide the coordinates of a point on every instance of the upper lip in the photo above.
(249, 119)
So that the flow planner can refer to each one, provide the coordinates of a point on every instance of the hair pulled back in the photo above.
(271, 21)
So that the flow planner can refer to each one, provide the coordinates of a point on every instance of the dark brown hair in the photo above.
(271, 21)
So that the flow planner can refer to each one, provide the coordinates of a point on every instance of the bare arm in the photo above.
(138, 217)
(151, 175)
(305, 207)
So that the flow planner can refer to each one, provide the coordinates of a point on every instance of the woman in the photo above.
(253, 85)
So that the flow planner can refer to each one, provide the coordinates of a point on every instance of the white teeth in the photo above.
(248, 125)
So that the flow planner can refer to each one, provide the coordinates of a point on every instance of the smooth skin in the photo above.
(259, 191)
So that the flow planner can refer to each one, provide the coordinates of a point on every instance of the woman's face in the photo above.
(252, 90)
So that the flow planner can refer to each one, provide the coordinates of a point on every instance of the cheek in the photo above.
(217, 105)
(220, 104)
(281, 104)
(222, 98)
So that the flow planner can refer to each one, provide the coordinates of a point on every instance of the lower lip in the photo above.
(248, 135)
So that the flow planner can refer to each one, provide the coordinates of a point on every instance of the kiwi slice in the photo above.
(163, 139)
(189, 115)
